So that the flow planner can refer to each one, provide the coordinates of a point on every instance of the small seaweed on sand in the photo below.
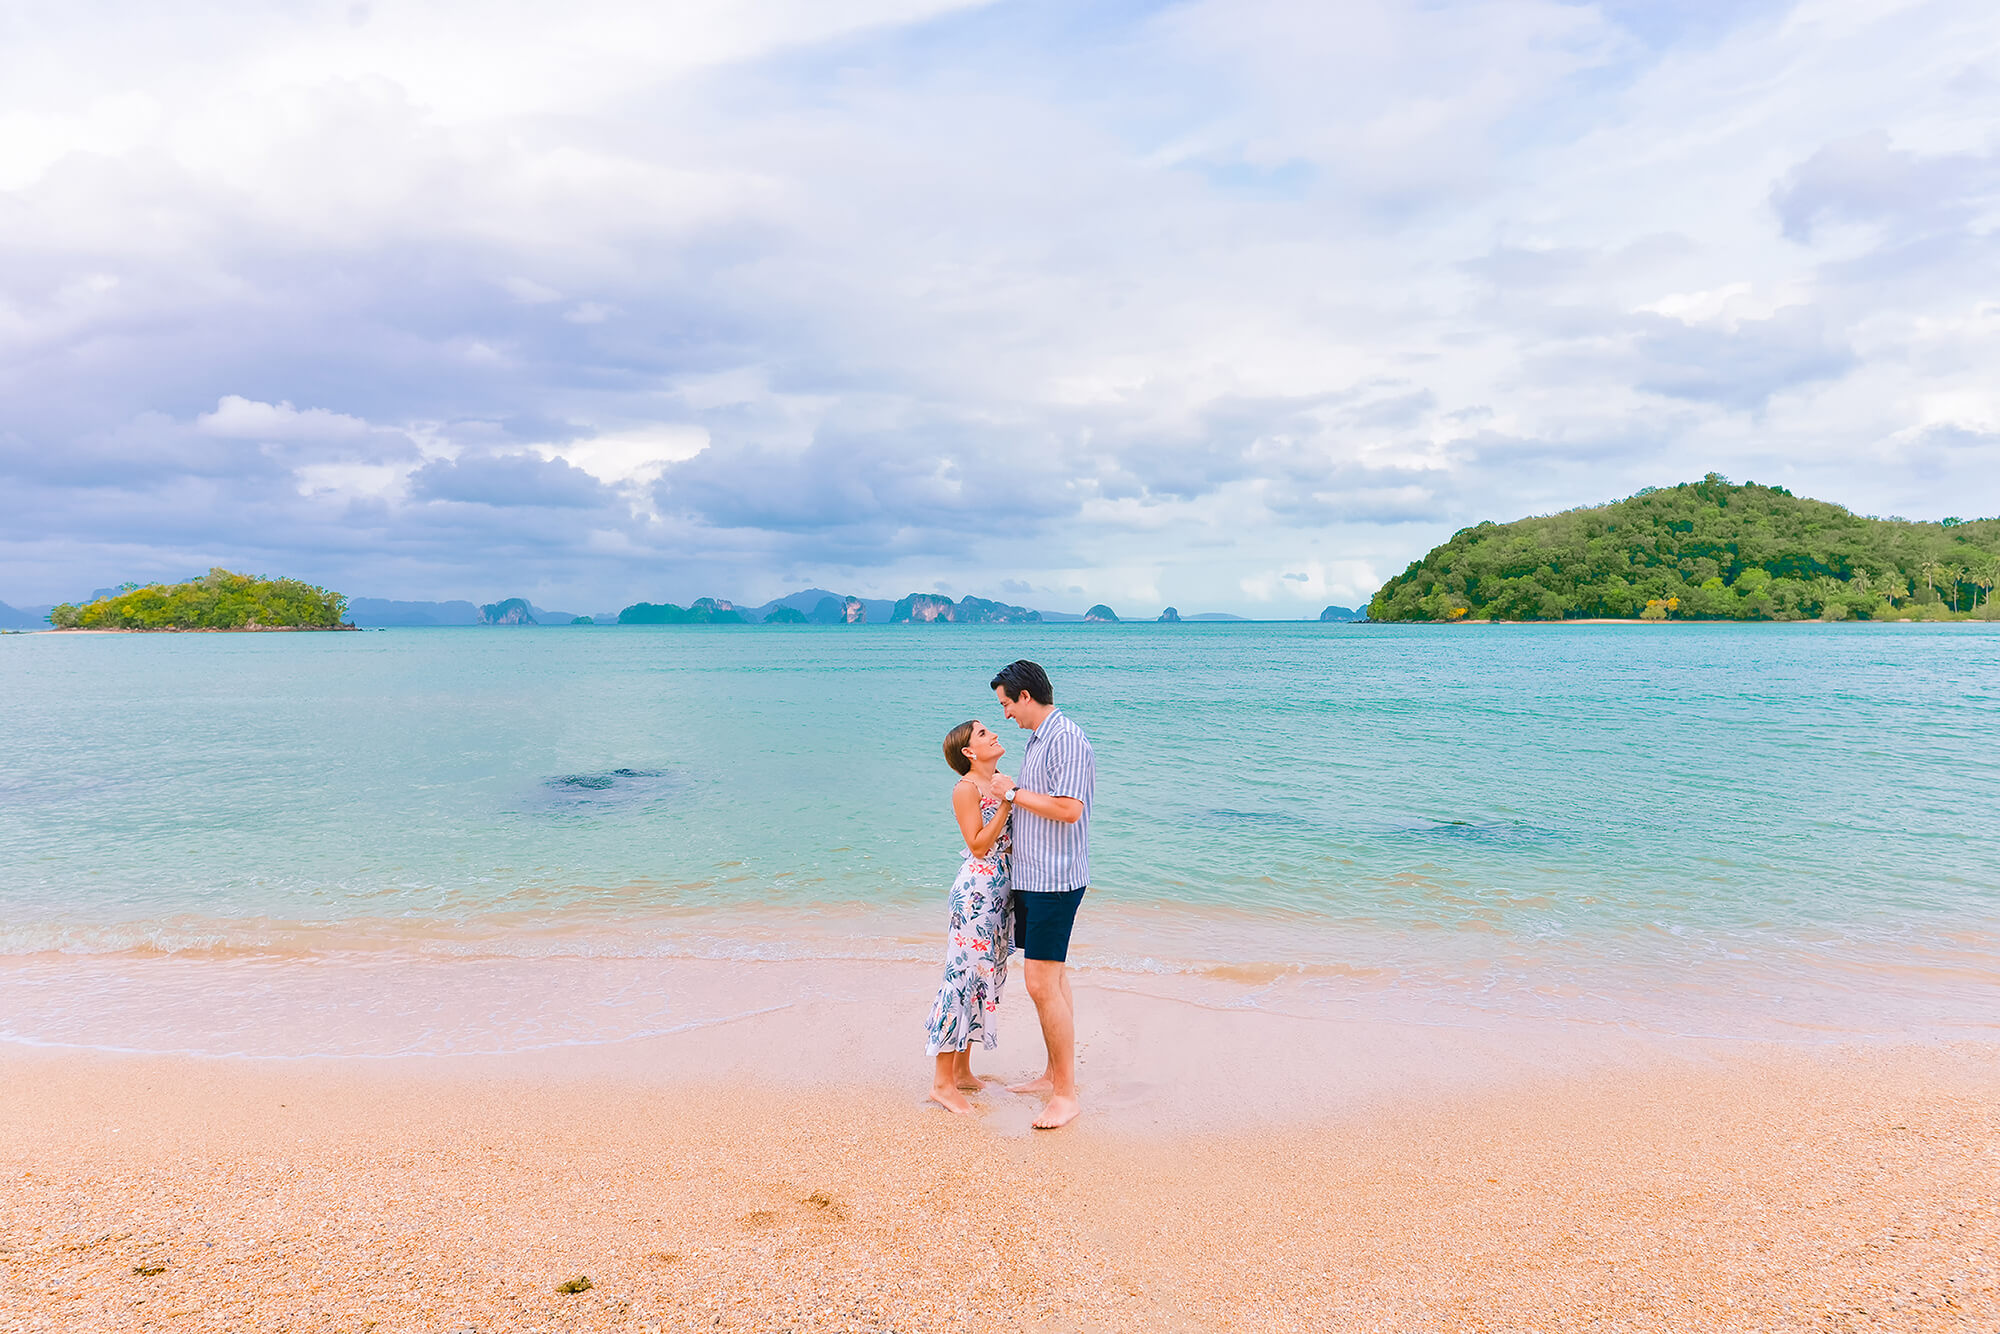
(828, 1206)
(147, 1271)
(581, 1283)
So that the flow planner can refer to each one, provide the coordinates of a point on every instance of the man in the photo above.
(1051, 824)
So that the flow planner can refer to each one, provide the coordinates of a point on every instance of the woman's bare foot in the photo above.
(1041, 1083)
(1058, 1113)
(950, 1099)
(970, 1082)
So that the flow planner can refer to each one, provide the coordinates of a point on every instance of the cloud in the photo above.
(1166, 302)
(1866, 179)
(239, 418)
(508, 480)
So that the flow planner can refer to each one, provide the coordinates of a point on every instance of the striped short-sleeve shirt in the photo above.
(1050, 856)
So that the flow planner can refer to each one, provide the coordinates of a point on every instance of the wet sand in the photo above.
(1667, 1188)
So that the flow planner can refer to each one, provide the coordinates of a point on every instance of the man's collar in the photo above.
(1047, 718)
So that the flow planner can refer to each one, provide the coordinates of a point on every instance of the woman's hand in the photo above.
(1001, 785)
(980, 833)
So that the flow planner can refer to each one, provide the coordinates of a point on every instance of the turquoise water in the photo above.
(1716, 828)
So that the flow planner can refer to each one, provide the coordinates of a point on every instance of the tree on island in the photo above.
(1707, 550)
(219, 600)
(703, 611)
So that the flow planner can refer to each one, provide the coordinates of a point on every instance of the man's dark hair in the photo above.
(1023, 675)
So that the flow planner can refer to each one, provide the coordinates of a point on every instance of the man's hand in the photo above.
(1001, 782)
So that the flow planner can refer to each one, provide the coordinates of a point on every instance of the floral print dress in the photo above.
(975, 954)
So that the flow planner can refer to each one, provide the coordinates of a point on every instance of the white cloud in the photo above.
(242, 418)
(632, 456)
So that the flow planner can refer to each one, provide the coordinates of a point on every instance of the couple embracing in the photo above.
(1027, 863)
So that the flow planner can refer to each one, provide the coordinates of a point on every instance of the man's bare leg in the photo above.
(1048, 984)
(1045, 1082)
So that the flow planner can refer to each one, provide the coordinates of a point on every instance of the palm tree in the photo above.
(1983, 574)
(1952, 574)
(1929, 569)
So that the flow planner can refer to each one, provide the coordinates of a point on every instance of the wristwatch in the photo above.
(1010, 794)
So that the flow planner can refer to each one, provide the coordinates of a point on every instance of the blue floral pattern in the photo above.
(976, 950)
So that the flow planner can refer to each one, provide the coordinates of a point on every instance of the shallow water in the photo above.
(489, 839)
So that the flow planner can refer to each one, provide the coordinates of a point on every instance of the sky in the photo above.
(1231, 306)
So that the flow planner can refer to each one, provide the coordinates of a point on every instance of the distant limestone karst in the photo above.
(1171, 615)
(702, 611)
(924, 608)
(1101, 613)
(786, 616)
(929, 608)
(839, 611)
(510, 611)
(1343, 614)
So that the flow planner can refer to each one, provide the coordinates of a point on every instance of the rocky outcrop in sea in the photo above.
(702, 611)
(512, 611)
(926, 608)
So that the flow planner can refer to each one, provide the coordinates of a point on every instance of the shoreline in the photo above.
(198, 630)
(1850, 1188)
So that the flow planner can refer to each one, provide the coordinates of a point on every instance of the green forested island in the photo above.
(703, 611)
(220, 600)
(1707, 550)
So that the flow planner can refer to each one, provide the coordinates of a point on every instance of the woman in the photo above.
(982, 916)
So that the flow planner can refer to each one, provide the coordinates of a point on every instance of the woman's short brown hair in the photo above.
(955, 742)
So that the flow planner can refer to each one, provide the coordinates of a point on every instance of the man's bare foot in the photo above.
(1039, 1084)
(951, 1100)
(1059, 1112)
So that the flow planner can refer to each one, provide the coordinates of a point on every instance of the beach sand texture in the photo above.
(1766, 1189)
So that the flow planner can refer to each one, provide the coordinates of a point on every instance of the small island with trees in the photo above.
(1707, 550)
(219, 600)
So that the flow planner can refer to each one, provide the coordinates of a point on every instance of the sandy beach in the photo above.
(1655, 1187)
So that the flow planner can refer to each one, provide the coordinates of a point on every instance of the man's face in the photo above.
(1009, 707)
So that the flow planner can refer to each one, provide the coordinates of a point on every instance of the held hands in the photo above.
(999, 787)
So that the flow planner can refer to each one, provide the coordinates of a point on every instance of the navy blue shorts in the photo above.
(1042, 923)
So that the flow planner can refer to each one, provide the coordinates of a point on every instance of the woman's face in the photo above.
(985, 747)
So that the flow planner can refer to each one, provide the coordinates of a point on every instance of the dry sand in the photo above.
(1774, 1189)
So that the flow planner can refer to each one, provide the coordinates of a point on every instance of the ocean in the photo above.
(490, 840)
